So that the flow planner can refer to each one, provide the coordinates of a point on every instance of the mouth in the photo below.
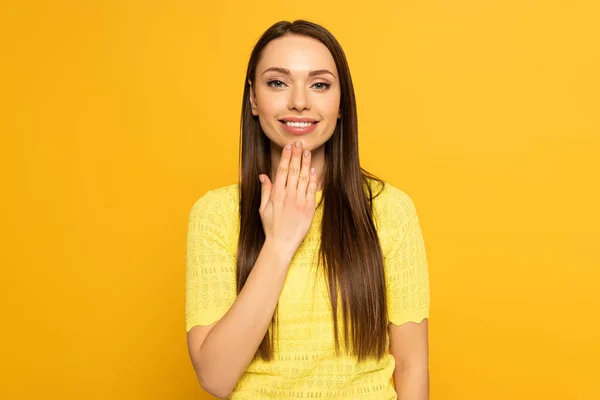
(298, 128)
(298, 124)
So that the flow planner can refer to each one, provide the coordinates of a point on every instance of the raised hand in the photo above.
(287, 207)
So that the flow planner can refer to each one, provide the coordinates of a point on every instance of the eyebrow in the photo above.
(286, 71)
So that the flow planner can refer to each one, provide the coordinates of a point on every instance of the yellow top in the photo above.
(305, 365)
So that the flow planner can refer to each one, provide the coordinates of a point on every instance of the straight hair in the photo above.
(349, 249)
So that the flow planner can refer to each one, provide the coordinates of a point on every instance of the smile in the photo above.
(298, 128)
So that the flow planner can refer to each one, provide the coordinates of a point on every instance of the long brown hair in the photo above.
(349, 247)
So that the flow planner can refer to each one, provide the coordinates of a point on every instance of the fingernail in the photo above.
(288, 146)
(312, 171)
(305, 153)
(297, 144)
(262, 180)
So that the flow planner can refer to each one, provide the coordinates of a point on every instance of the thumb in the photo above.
(265, 192)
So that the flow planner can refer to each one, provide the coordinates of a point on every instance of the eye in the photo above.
(275, 81)
(324, 86)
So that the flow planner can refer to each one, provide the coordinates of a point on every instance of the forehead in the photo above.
(299, 54)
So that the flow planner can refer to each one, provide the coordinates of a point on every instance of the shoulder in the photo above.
(391, 201)
(393, 213)
(219, 202)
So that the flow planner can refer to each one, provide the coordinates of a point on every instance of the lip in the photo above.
(299, 119)
(302, 130)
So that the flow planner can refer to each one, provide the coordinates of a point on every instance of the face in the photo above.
(296, 77)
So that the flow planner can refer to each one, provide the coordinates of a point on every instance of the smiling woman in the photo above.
(308, 278)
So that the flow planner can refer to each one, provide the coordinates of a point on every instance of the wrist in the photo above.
(278, 252)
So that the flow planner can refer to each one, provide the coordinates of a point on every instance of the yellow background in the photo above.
(117, 115)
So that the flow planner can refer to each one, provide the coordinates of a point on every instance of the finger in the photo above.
(311, 192)
(304, 174)
(265, 191)
(292, 179)
(282, 168)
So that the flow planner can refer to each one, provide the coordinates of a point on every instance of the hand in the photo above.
(287, 207)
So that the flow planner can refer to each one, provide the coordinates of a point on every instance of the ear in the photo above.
(252, 99)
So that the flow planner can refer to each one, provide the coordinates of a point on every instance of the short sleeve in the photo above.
(210, 283)
(407, 277)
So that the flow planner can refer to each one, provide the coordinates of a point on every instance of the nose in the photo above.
(299, 99)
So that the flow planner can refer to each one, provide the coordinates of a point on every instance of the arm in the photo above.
(409, 346)
(407, 283)
(221, 352)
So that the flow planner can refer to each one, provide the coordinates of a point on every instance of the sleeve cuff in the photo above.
(208, 317)
(414, 316)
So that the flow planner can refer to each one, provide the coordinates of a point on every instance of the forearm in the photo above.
(231, 344)
(412, 383)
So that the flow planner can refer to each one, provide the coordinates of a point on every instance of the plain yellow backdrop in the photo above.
(117, 115)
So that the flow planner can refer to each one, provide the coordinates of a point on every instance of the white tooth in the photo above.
(298, 124)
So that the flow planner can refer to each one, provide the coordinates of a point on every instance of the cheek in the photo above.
(270, 104)
(328, 106)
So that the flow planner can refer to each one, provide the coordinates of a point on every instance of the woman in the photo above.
(307, 231)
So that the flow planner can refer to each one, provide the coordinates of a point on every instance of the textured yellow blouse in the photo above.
(305, 365)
